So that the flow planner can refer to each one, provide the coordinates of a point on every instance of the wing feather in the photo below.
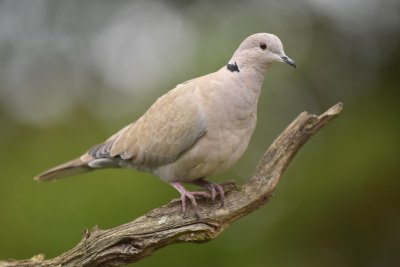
(169, 127)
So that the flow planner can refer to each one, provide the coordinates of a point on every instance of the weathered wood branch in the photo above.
(163, 226)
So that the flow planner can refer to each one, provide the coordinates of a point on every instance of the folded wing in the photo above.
(171, 126)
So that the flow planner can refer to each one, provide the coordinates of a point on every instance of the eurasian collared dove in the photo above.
(196, 130)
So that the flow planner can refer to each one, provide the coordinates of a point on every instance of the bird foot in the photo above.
(213, 188)
(190, 195)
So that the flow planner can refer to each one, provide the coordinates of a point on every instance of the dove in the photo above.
(194, 131)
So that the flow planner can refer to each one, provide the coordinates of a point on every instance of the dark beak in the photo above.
(288, 61)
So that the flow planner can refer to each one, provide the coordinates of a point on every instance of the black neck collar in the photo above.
(232, 67)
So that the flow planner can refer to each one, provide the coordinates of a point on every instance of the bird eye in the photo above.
(263, 45)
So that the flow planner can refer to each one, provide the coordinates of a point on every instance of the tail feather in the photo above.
(69, 168)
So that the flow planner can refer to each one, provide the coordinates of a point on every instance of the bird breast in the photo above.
(231, 119)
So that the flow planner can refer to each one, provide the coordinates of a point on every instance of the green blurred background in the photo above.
(73, 72)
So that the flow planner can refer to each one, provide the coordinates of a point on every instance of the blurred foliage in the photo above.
(337, 204)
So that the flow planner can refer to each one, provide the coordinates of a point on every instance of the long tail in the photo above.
(69, 168)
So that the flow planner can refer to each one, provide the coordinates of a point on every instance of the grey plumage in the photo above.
(198, 129)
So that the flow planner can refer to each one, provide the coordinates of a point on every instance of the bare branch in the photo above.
(163, 226)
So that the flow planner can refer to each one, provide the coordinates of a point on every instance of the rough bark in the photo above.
(165, 225)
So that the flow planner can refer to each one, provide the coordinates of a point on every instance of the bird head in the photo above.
(260, 50)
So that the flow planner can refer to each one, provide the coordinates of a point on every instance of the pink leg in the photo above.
(213, 188)
(190, 195)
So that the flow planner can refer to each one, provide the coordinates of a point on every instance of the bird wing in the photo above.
(169, 127)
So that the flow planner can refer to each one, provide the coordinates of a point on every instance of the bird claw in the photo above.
(188, 195)
(212, 187)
